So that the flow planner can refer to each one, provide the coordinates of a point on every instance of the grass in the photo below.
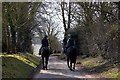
(111, 73)
(91, 62)
(18, 65)
(97, 65)
(56, 54)
(101, 67)
(62, 56)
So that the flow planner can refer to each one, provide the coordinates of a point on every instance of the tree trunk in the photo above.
(66, 28)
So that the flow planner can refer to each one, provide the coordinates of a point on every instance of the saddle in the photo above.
(43, 48)
(66, 50)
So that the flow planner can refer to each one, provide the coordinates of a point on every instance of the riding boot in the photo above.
(40, 51)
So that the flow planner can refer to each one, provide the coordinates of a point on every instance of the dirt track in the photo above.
(58, 69)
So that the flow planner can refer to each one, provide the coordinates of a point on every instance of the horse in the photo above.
(71, 54)
(45, 53)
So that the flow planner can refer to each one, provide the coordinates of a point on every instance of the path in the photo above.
(58, 69)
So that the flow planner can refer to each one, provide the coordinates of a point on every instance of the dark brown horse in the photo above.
(71, 54)
(45, 53)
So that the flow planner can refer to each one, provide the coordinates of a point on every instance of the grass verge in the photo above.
(101, 67)
(56, 54)
(18, 65)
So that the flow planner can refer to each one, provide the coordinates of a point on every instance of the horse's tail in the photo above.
(71, 53)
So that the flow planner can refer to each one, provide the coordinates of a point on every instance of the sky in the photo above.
(56, 18)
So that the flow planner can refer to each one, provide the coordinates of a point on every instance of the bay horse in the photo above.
(71, 54)
(45, 53)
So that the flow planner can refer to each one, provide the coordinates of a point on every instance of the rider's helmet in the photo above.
(45, 36)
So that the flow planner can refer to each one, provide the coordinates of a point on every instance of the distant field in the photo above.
(18, 65)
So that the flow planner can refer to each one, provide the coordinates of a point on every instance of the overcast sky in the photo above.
(56, 17)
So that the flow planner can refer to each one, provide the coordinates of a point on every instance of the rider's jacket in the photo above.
(44, 42)
(71, 42)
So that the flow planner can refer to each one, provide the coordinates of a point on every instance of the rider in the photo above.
(44, 43)
(71, 42)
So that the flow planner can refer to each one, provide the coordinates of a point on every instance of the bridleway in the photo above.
(58, 69)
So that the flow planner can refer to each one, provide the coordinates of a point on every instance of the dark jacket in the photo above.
(71, 42)
(44, 42)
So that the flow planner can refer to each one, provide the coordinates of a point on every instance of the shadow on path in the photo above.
(58, 69)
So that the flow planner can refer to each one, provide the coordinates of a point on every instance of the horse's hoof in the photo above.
(70, 69)
(73, 68)
(43, 68)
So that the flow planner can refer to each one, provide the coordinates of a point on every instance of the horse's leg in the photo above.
(43, 62)
(68, 62)
(47, 62)
(70, 65)
(74, 66)
(74, 62)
